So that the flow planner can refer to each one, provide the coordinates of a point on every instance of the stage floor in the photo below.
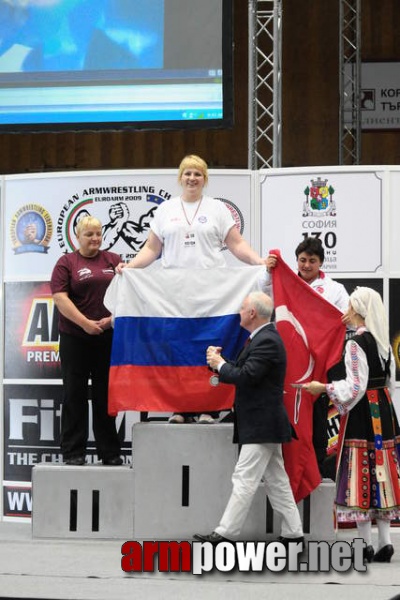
(91, 570)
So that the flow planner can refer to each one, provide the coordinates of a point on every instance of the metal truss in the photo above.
(265, 84)
(350, 82)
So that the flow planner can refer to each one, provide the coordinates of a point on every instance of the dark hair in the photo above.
(311, 245)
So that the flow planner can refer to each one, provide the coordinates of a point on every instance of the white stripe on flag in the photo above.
(159, 292)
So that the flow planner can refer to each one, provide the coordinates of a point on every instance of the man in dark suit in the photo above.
(261, 423)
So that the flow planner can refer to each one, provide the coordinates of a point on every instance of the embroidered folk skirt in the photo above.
(368, 477)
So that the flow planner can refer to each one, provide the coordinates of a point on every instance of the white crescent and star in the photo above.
(283, 314)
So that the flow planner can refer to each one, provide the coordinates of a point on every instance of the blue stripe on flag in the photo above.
(166, 341)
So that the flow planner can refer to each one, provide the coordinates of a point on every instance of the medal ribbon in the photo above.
(194, 216)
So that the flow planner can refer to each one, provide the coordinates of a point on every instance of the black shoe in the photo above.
(75, 461)
(229, 418)
(368, 553)
(213, 537)
(114, 461)
(384, 554)
(286, 541)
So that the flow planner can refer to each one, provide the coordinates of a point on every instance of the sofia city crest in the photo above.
(319, 199)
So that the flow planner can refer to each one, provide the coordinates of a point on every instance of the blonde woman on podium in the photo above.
(78, 284)
(190, 231)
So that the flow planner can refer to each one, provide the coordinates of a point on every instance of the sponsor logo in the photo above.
(31, 331)
(40, 336)
(31, 229)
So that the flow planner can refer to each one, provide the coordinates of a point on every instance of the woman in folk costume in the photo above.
(368, 467)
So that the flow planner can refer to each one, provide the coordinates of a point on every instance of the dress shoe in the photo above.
(213, 537)
(384, 554)
(368, 553)
(286, 541)
(114, 461)
(75, 461)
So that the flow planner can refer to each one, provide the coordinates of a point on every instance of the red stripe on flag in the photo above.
(166, 389)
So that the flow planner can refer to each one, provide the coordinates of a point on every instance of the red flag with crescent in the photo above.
(313, 334)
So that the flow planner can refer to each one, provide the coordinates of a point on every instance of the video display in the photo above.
(101, 64)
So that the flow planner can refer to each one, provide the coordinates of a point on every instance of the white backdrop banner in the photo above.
(343, 209)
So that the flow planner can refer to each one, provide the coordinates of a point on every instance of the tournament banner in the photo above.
(342, 209)
(164, 320)
(41, 213)
(313, 334)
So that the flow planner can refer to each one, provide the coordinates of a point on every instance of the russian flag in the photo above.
(164, 320)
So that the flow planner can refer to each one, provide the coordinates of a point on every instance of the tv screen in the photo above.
(115, 64)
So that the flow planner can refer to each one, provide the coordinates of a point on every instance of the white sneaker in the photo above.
(205, 419)
(176, 419)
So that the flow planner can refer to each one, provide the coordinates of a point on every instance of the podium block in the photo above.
(316, 512)
(182, 477)
(179, 485)
(82, 502)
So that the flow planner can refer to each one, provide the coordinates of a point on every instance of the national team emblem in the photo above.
(319, 199)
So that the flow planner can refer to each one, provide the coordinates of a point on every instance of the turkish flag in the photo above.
(313, 334)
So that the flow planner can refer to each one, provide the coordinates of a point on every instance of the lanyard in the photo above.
(194, 216)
